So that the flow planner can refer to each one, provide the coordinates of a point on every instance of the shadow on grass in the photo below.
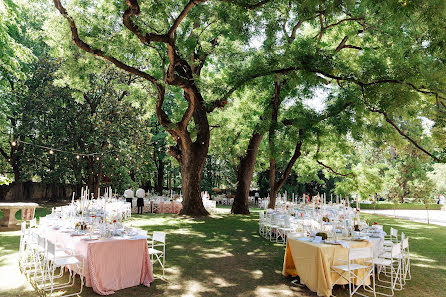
(223, 255)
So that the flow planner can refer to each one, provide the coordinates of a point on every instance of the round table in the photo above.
(9, 222)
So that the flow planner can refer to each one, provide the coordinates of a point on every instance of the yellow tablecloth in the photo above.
(312, 263)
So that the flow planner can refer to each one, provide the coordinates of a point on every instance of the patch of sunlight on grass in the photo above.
(436, 267)
(216, 252)
(257, 274)
(192, 288)
(221, 282)
(10, 276)
(418, 257)
(187, 232)
(273, 291)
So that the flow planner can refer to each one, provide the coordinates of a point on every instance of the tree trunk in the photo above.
(272, 184)
(275, 102)
(191, 167)
(245, 171)
(160, 177)
(98, 180)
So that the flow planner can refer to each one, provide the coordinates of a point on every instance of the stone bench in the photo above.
(9, 222)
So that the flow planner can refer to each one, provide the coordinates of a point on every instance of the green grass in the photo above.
(223, 255)
(390, 205)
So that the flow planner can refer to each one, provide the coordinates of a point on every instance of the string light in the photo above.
(78, 157)
(13, 143)
(51, 152)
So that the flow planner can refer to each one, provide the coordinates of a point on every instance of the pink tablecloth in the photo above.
(112, 264)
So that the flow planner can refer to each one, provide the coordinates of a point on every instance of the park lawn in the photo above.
(223, 255)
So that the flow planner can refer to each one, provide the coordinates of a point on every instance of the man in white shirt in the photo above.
(128, 195)
(140, 193)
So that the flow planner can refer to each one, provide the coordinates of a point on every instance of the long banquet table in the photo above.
(312, 262)
(110, 264)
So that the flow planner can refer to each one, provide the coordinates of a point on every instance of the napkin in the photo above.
(344, 244)
(138, 236)
(317, 239)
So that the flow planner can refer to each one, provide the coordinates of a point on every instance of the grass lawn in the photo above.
(223, 255)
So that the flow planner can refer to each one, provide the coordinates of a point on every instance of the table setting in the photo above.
(116, 255)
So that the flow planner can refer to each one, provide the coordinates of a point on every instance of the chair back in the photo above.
(393, 232)
(33, 223)
(23, 228)
(360, 253)
(41, 241)
(159, 236)
(51, 248)
(287, 221)
(405, 243)
(396, 250)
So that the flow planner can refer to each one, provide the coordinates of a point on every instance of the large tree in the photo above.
(182, 36)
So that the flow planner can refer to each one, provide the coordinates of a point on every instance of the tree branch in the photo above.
(216, 104)
(296, 155)
(333, 171)
(388, 120)
(87, 48)
(182, 15)
(134, 10)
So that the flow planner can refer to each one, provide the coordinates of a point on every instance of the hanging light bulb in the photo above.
(13, 143)
(78, 157)
(97, 158)
(51, 152)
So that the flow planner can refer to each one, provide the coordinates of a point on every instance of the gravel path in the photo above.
(436, 217)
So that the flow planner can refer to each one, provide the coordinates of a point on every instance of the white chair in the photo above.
(262, 223)
(54, 259)
(392, 262)
(406, 260)
(391, 239)
(282, 232)
(271, 228)
(155, 207)
(358, 259)
(158, 240)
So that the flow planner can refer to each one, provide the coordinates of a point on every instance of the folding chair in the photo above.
(358, 259)
(282, 232)
(54, 259)
(158, 240)
(393, 263)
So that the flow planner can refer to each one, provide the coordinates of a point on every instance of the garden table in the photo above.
(312, 262)
(109, 264)
(9, 222)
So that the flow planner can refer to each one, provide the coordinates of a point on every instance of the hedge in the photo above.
(388, 205)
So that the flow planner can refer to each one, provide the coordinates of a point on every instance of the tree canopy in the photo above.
(346, 93)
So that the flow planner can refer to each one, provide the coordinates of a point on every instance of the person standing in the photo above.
(128, 194)
(256, 198)
(140, 194)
